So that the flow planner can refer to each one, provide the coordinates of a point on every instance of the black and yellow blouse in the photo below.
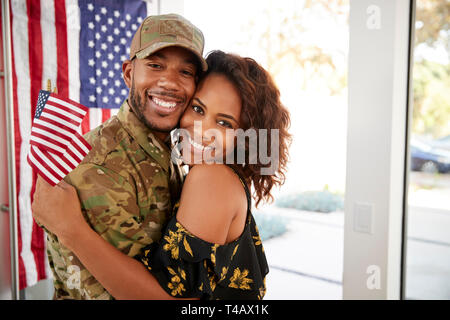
(187, 267)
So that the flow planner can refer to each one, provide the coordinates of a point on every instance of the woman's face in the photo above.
(215, 108)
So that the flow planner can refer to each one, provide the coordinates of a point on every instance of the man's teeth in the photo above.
(162, 103)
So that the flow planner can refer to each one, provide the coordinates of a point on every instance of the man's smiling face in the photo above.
(161, 86)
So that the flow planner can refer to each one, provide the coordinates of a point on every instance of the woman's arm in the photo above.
(122, 276)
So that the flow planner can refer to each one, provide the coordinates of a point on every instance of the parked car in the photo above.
(427, 158)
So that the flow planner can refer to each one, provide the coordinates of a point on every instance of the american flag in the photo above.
(56, 122)
(54, 168)
(56, 147)
(80, 46)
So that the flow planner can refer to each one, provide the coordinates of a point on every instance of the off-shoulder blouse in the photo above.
(186, 266)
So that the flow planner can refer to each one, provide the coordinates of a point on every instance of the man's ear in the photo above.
(127, 71)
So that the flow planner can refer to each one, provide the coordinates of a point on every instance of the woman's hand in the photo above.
(58, 209)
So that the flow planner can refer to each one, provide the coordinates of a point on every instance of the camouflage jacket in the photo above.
(126, 185)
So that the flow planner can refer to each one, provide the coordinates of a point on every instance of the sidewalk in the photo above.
(306, 261)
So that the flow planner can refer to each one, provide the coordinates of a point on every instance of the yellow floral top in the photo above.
(186, 266)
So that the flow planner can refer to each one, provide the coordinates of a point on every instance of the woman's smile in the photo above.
(198, 146)
(215, 108)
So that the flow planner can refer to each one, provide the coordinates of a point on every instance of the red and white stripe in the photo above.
(52, 167)
(45, 36)
(57, 125)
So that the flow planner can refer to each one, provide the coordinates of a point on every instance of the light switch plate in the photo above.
(363, 217)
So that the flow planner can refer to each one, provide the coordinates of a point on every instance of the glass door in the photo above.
(427, 263)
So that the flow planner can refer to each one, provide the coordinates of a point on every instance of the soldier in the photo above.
(127, 183)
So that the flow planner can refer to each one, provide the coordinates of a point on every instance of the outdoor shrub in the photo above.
(270, 226)
(319, 201)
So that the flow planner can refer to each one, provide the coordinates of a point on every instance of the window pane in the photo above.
(428, 229)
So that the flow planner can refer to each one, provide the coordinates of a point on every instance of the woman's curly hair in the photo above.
(261, 109)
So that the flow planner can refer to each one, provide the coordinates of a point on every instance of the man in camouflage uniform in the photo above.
(127, 183)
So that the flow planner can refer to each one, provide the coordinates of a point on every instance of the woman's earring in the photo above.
(175, 145)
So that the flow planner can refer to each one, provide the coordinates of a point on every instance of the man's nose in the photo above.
(169, 81)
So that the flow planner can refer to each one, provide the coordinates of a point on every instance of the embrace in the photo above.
(128, 223)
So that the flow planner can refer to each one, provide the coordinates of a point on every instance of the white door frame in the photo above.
(379, 114)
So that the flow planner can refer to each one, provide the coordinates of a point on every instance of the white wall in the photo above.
(171, 6)
(377, 117)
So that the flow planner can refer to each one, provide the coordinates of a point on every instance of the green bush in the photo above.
(270, 226)
(318, 201)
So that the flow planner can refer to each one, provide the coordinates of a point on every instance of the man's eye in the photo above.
(225, 124)
(197, 109)
(154, 65)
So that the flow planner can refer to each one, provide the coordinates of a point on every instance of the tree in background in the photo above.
(296, 35)
(431, 79)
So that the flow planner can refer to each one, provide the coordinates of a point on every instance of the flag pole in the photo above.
(14, 248)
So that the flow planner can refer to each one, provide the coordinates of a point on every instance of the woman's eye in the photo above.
(197, 109)
(225, 124)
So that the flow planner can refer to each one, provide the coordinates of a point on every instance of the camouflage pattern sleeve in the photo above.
(111, 206)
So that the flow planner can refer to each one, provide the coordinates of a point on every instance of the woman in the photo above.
(210, 248)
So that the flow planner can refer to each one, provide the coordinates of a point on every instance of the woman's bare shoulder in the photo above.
(211, 197)
(216, 180)
(215, 170)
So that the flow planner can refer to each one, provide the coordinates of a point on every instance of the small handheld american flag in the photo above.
(56, 147)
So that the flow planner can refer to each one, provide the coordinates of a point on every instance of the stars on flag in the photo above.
(107, 39)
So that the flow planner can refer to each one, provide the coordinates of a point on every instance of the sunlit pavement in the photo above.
(306, 262)
(428, 229)
(428, 254)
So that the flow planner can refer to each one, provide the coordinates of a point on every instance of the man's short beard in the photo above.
(138, 108)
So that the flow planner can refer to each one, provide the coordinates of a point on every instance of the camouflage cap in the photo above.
(162, 31)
